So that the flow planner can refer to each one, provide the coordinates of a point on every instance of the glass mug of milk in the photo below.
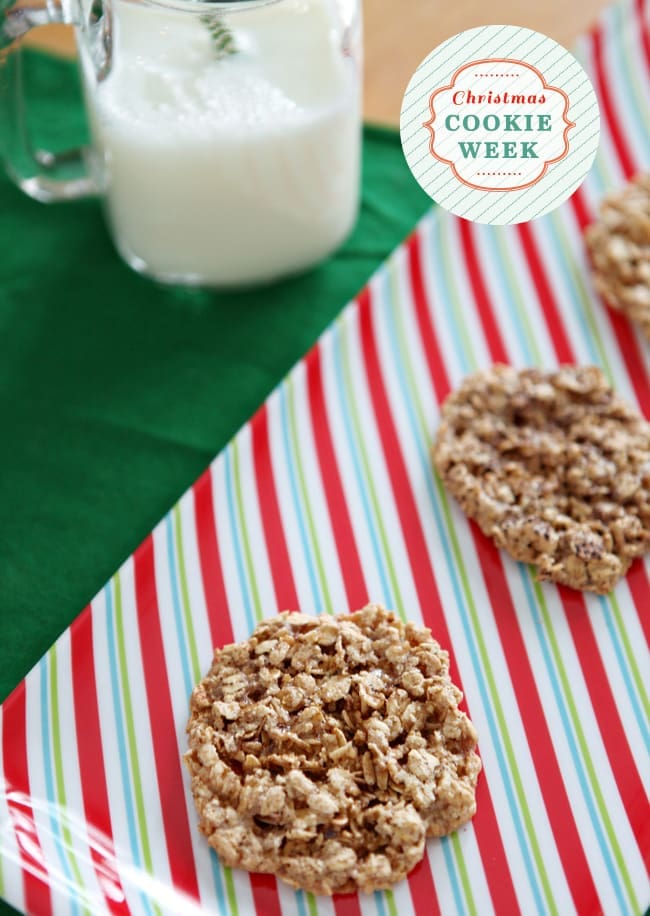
(225, 135)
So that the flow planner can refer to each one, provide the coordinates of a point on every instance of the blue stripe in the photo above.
(129, 804)
(379, 903)
(217, 877)
(536, 618)
(460, 601)
(636, 125)
(508, 292)
(576, 759)
(176, 602)
(624, 22)
(555, 239)
(451, 868)
(284, 394)
(606, 166)
(561, 254)
(337, 339)
(242, 576)
(597, 177)
(300, 901)
(53, 808)
(618, 650)
(437, 243)
(239, 559)
(183, 648)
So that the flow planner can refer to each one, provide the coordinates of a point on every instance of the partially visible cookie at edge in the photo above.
(619, 245)
(554, 467)
(326, 749)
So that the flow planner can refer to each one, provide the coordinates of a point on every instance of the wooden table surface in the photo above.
(400, 33)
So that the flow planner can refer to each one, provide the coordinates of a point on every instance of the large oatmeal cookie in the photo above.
(619, 244)
(326, 749)
(554, 467)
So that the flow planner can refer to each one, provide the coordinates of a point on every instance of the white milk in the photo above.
(232, 171)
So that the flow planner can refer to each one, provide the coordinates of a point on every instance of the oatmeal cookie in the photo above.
(554, 467)
(619, 244)
(326, 749)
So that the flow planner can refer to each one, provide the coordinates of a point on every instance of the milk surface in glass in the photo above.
(233, 170)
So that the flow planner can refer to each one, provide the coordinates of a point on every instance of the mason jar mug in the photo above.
(225, 135)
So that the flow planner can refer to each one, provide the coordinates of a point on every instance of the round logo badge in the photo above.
(500, 124)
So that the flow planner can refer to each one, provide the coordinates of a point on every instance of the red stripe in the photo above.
(347, 551)
(422, 888)
(627, 343)
(163, 727)
(556, 801)
(607, 716)
(481, 296)
(608, 106)
(418, 550)
(485, 824)
(265, 895)
(643, 29)
(345, 905)
(263, 887)
(545, 294)
(91, 762)
(637, 580)
(276, 543)
(422, 303)
(423, 309)
(214, 589)
(348, 554)
(621, 759)
(16, 774)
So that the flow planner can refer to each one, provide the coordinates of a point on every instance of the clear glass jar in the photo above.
(225, 136)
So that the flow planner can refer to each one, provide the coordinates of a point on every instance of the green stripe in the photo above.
(312, 906)
(130, 730)
(584, 747)
(629, 655)
(231, 893)
(423, 423)
(196, 671)
(639, 88)
(361, 447)
(602, 169)
(585, 299)
(460, 861)
(80, 890)
(469, 598)
(464, 874)
(390, 900)
(447, 260)
(360, 442)
(304, 494)
(248, 554)
(185, 595)
(496, 702)
(516, 296)
(587, 306)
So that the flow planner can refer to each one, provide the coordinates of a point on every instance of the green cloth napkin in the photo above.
(115, 392)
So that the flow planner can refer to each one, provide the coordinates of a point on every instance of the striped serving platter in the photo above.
(326, 499)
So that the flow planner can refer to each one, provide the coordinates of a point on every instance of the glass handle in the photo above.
(43, 175)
